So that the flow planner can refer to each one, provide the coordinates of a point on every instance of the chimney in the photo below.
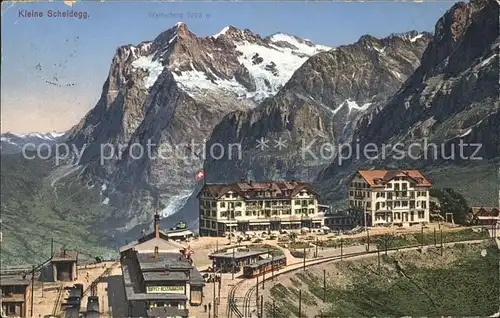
(157, 225)
(156, 252)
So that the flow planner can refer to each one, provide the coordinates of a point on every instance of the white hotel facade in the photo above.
(391, 197)
(258, 206)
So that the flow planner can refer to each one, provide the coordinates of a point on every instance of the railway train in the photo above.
(92, 307)
(73, 302)
(264, 266)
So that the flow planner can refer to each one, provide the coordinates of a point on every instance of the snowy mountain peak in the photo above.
(234, 62)
(14, 142)
(223, 31)
(412, 35)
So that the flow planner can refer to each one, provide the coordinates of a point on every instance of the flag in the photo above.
(200, 175)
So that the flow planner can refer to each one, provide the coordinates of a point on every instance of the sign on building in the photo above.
(165, 289)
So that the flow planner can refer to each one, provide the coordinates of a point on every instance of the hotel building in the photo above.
(391, 197)
(257, 206)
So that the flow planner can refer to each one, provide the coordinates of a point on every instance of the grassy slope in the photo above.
(460, 283)
(477, 182)
(33, 211)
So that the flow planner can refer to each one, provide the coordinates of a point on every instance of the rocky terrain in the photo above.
(320, 104)
(160, 103)
(451, 98)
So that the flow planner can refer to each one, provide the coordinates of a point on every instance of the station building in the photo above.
(14, 289)
(64, 266)
(227, 261)
(159, 277)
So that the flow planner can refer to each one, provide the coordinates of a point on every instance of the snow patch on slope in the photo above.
(277, 67)
(303, 46)
(194, 81)
(154, 69)
(175, 203)
(415, 38)
(354, 106)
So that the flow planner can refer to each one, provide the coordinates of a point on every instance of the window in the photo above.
(222, 204)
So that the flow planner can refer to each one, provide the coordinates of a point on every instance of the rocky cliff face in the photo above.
(160, 103)
(317, 109)
(452, 97)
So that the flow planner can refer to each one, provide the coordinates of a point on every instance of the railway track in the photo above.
(292, 267)
(231, 301)
(99, 279)
(57, 305)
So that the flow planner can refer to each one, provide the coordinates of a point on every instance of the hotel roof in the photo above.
(148, 245)
(164, 276)
(13, 280)
(378, 178)
(65, 256)
(248, 190)
(148, 261)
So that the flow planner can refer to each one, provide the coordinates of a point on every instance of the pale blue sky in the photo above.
(79, 52)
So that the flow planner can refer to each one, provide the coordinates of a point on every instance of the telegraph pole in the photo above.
(234, 263)
(441, 235)
(218, 295)
(261, 306)
(215, 304)
(368, 237)
(257, 294)
(341, 248)
(316, 253)
(300, 303)
(378, 259)
(272, 266)
(422, 238)
(324, 285)
(32, 288)
(435, 239)
(304, 258)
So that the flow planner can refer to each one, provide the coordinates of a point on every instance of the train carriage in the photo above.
(264, 266)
